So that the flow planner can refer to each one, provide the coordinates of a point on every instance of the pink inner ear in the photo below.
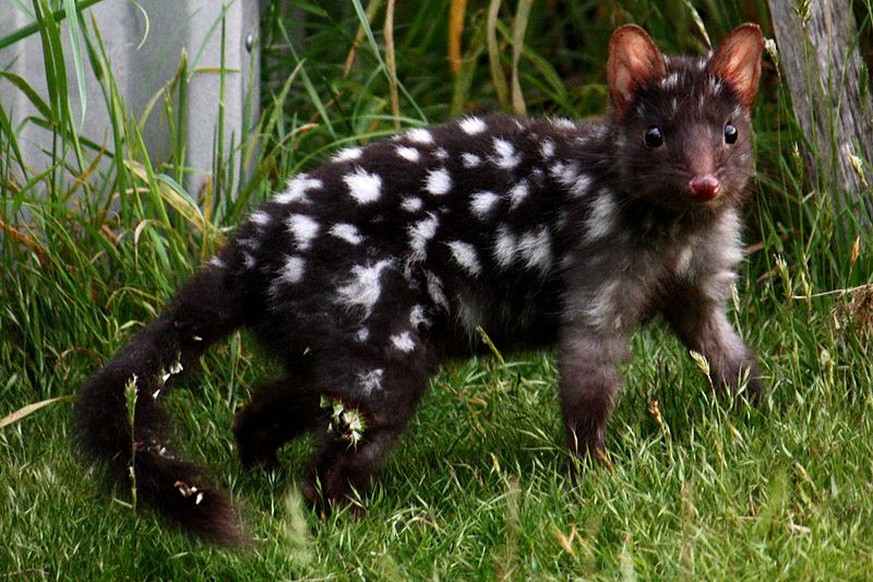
(634, 60)
(738, 61)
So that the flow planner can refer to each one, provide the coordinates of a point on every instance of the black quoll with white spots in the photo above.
(365, 273)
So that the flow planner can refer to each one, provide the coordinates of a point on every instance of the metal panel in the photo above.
(145, 41)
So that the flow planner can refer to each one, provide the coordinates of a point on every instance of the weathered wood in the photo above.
(817, 42)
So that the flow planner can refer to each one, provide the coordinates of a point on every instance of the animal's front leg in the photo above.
(590, 381)
(704, 327)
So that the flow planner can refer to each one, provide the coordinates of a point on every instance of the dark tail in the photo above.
(207, 309)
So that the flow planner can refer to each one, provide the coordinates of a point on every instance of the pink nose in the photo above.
(705, 187)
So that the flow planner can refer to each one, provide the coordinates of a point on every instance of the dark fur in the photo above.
(369, 271)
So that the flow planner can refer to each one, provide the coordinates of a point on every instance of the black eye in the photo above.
(730, 134)
(654, 137)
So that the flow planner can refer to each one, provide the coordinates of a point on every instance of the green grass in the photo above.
(478, 487)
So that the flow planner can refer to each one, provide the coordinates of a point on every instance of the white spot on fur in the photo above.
(581, 186)
(441, 154)
(403, 342)
(292, 270)
(371, 380)
(303, 228)
(438, 182)
(364, 288)
(363, 335)
(435, 290)
(363, 186)
(601, 221)
(217, 262)
(472, 125)
(465, 255)
(297, 188)
(562, 123)
(482, 203)
(518, 193)
(409, 153)
(547, 149)
(471, 160)
(412, 204)
(505, 154)
(347, 232)
(420, 135)
(420, 234)
(567, 174)
(260, 218)
(505, 246)
(417, 317)
(249, 261)
(348, 154)
(536, 249)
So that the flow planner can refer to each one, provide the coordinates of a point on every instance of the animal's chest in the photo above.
(620, 283)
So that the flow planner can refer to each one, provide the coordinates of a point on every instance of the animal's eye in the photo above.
(654, 137)
(730, 134)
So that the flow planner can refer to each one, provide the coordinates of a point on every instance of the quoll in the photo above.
(369, 271)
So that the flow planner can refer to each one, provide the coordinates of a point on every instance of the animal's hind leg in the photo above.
(368, 415)
(280, 410)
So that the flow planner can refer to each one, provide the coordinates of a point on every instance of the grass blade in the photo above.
(75, 32)
(498, 77)
(34, 28)
(519, 27)
(29, 92)
(30, 409)
(457, 12)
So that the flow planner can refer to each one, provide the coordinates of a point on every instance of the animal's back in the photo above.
(465, 224)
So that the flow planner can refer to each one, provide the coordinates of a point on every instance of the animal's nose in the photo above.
(705, 187)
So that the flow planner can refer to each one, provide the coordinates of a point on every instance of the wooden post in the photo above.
(817, 44)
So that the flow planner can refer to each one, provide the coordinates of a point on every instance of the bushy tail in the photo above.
(207, 309)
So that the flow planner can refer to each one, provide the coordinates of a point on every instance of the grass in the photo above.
(477, 489)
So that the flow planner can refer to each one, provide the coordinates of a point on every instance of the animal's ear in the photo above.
(737, 61)
(634, 61)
